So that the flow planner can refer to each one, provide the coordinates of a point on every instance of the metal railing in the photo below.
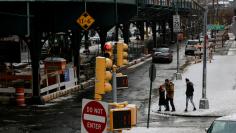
(182, 4)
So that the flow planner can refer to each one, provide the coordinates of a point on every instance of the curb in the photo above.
(186, 115)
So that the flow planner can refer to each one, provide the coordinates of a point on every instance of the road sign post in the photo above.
(204, 103)
(94, 116)
(176, 28)
(152, 76)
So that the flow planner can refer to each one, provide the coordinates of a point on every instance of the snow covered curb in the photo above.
(221, 88)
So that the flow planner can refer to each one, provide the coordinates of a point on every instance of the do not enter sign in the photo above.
(94, 116)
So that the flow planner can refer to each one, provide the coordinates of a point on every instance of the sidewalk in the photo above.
(163, 130)
(221, 87)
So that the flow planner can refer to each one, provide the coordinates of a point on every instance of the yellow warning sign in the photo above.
(85, 20)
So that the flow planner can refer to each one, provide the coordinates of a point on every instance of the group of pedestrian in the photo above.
(166, 95)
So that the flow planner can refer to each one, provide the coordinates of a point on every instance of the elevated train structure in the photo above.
(35, 20)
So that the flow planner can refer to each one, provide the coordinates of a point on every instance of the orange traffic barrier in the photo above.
(20, 96)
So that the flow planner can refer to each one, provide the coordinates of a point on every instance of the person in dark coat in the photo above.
(162, 98)
(189, 94)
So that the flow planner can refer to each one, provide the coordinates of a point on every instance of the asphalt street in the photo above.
(63, 115)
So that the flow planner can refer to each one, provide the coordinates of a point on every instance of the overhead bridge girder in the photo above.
(149, 10)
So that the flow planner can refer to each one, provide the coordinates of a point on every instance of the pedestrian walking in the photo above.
(169, 95)
(189, 94)
(162, 97)
(210, 53)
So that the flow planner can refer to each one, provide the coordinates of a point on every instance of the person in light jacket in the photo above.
(169, 95)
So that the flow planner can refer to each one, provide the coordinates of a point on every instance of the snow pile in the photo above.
(221, 88)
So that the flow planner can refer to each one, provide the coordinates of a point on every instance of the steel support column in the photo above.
(163, 26)
(125, 30)
(102, 34)
(35, 47)
(86, 38)
(141, 29)
(76, 43)
(171, 30)
(154, 35)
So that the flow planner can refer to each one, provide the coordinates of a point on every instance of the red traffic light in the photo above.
(107, 46)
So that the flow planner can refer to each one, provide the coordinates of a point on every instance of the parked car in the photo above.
(162, 54)
(191, 47)
(225, 124)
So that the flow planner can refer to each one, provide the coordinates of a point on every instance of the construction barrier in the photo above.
(20, 92)
(20, 96)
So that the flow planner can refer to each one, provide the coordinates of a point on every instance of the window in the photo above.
(231, 127)
(219, 127)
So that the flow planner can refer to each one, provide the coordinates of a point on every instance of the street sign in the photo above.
(152, 72)
(122, 81)
(215, 27)
(85, 20)
(176, 23)
(94, 116)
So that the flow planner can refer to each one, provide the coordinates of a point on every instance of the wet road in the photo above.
(61, 116)
(64, 116)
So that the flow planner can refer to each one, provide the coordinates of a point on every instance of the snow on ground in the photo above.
(163, 130)
(221, 88)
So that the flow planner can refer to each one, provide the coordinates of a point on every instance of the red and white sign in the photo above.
(94, 116)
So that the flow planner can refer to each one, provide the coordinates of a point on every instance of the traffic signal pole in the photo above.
(204, 103)
(114, 86)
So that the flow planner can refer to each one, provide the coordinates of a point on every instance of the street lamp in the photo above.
(204, 103)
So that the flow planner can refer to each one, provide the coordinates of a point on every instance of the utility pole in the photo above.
(204, 103)
(176, 26)
(114, 85)
(116, 22)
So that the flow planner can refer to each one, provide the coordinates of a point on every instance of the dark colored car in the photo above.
(162, 55)
(225, 124)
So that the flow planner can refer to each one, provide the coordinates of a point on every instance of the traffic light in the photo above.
(122, 54)
(120, 118)
(103, 76)
(108, 50)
